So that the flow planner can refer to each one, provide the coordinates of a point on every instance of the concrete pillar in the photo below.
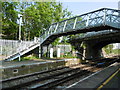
(92, 52)
(51, 52)
(58, 52)
(47, 50)
(40, 51)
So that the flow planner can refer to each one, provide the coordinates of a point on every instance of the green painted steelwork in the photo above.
(100, 18)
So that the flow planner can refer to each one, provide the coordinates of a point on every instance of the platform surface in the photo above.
(9, 64)
(110, 74)
(4, 64)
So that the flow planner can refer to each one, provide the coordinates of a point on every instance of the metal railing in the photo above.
(99, 17)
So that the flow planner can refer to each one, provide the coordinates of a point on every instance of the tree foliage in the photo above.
(108, 48)
(9, 20)
(36, 18)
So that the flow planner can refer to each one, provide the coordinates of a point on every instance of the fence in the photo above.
(10, 47)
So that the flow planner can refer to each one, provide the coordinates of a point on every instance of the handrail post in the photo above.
(87, 23)
(41, 40)
(45, 34)
(75, 23)
(56, 28)
(104, 17)
(49, 29)
(64, 26)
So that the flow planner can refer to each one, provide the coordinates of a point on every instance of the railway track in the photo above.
(104, 62)
(52, 78)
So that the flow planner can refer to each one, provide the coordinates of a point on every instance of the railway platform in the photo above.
(17, 68)
(13, 64)
(5, 64)
(106, 78)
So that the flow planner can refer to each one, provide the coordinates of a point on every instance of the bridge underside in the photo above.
(94, 45)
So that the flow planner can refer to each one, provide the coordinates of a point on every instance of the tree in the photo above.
(9, 20)
(108, 48)
(37, 17)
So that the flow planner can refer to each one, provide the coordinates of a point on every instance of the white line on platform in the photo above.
(85, 78)
(82, 80)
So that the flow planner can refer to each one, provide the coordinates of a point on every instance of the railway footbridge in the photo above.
(102, 19)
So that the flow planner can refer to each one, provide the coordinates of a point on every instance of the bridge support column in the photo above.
(40, 51)
(51, 52)
(47, 51)
(92, 52)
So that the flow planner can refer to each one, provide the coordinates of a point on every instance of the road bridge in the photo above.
(102, 19)
(94, 42)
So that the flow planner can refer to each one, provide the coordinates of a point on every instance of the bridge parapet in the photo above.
(102, 17)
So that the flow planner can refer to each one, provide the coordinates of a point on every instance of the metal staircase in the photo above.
(18, 54)
(98, 20)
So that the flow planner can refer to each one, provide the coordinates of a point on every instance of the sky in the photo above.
(78, 7)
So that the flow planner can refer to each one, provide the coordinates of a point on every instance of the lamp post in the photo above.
(20, 21)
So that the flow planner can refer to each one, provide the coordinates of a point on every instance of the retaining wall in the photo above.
(8, 72)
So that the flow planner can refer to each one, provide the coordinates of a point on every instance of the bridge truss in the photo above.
(101, 19)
